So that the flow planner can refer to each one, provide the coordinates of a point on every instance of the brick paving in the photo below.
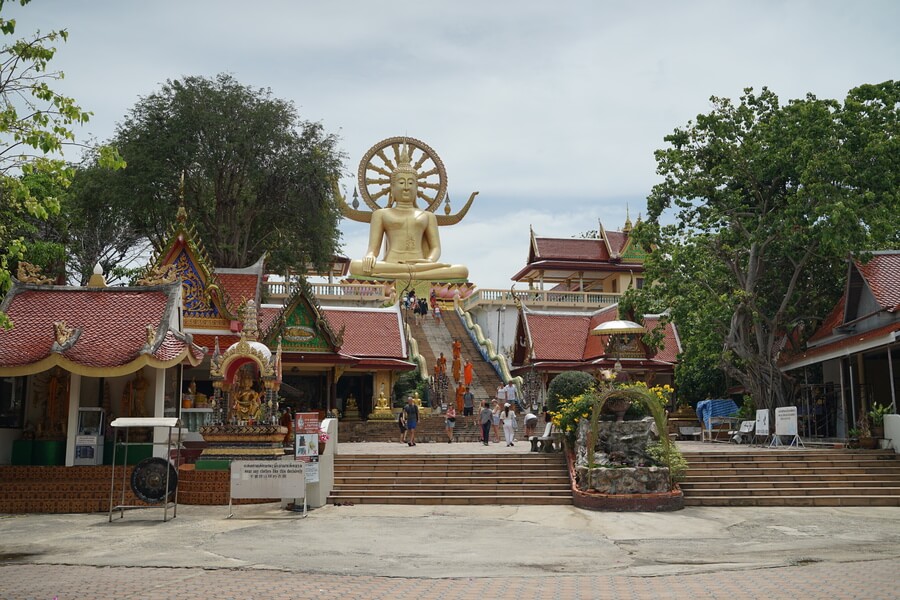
(872, 580)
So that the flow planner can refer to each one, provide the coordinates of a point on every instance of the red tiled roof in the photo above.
(616, 240)
(571, 249)
(208, 341)
(112, 324)
(557, 336)
(882, 273)
(834, 319)
(266, 316)
(373, 332)
(561, 337)
(239, 287)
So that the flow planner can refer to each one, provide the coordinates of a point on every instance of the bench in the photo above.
(689, 433)
(550, 441)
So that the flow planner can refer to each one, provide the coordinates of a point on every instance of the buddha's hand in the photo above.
(368, 263)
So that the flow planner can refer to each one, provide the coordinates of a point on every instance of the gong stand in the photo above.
(153, 480)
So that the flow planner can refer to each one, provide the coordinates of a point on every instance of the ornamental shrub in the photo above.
(568, 385)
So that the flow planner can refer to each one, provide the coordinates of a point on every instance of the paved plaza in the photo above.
(477, 552)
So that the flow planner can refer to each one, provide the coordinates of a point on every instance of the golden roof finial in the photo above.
(181, 215)
(627, 227)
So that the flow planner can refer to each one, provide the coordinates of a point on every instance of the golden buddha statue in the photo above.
(246, 403)
(382, 407)
(408, 233)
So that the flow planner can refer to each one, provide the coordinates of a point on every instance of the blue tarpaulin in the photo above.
(706, 409)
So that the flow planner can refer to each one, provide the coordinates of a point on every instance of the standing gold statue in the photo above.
(408, 233)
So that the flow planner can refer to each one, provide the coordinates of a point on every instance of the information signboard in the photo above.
(306, 443)
(786, 420)
(762, 422)
(267, 479)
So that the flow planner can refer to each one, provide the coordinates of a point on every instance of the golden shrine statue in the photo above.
(382, 407)
(351, 410)
(246, 404)
(408, 233)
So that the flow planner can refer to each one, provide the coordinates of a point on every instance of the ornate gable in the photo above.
(203, 298)
(303, 326)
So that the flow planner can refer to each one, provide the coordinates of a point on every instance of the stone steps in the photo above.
(451, 479)
(792, 478)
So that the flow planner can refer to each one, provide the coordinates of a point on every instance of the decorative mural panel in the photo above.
(193, 289)
(634, 252)
(300, 332)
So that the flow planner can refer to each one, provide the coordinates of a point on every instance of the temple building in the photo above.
(77, 357)
(850, 363)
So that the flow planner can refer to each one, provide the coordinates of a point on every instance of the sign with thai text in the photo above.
(786, 420)
(268, 479)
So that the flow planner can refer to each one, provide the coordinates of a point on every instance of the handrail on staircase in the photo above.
(417, 358)
(486, 348)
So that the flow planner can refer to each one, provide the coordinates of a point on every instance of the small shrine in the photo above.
(246, 378)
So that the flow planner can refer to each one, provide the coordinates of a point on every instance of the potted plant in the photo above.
(853, 438)
(866, 441)
(876, 414)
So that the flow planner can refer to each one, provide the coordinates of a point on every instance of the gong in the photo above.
(148, 480)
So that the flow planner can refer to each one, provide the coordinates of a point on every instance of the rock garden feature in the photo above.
(620, 465)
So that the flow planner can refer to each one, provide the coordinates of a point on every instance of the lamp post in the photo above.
(500, 312)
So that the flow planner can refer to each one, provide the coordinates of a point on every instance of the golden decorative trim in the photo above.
(62, 333)
(58, 360)
(159, 275)
(29, 273)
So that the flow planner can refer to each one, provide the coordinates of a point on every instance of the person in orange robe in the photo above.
(460, 392)
(468, 372)
(457, 355)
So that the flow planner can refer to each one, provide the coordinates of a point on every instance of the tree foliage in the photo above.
(36, 123)
(769, 200)
(568, 384)
(256, 178)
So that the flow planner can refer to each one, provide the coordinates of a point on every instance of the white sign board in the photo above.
(306, 443)
(762, 422)
(268, 479)
(786, 420)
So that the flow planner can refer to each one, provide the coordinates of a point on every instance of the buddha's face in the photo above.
(404, 188)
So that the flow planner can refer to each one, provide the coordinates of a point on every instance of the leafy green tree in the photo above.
(36, 123)
(567, 384)
(769, 199)
(256, 178)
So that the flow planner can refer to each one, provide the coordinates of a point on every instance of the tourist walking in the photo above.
(423, 308)
(531, 420)
(450, 422)
(437, 313)
(412, 417)
(401, 422)
(495, 420)
(508, 417)
(468, 406)
(485, 417)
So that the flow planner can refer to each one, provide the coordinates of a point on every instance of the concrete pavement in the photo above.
(381, 551)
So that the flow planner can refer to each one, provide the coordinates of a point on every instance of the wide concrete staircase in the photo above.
(763, 477)
(515, 479)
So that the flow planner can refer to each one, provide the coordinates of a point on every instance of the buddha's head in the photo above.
(404, 180)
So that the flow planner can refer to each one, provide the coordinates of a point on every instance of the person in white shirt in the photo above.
(508, 418)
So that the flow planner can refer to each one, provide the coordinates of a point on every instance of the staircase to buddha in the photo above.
(509, 479)
(764, 477)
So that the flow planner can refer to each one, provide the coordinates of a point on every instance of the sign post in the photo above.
(306, 443)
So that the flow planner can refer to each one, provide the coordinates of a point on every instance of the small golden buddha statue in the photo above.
(246, 403)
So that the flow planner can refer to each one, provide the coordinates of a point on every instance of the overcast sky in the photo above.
(552, 110)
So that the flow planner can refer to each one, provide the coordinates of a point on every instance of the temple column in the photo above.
(160, 434)
(72, 425)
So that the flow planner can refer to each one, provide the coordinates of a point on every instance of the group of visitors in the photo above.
(420, 306)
